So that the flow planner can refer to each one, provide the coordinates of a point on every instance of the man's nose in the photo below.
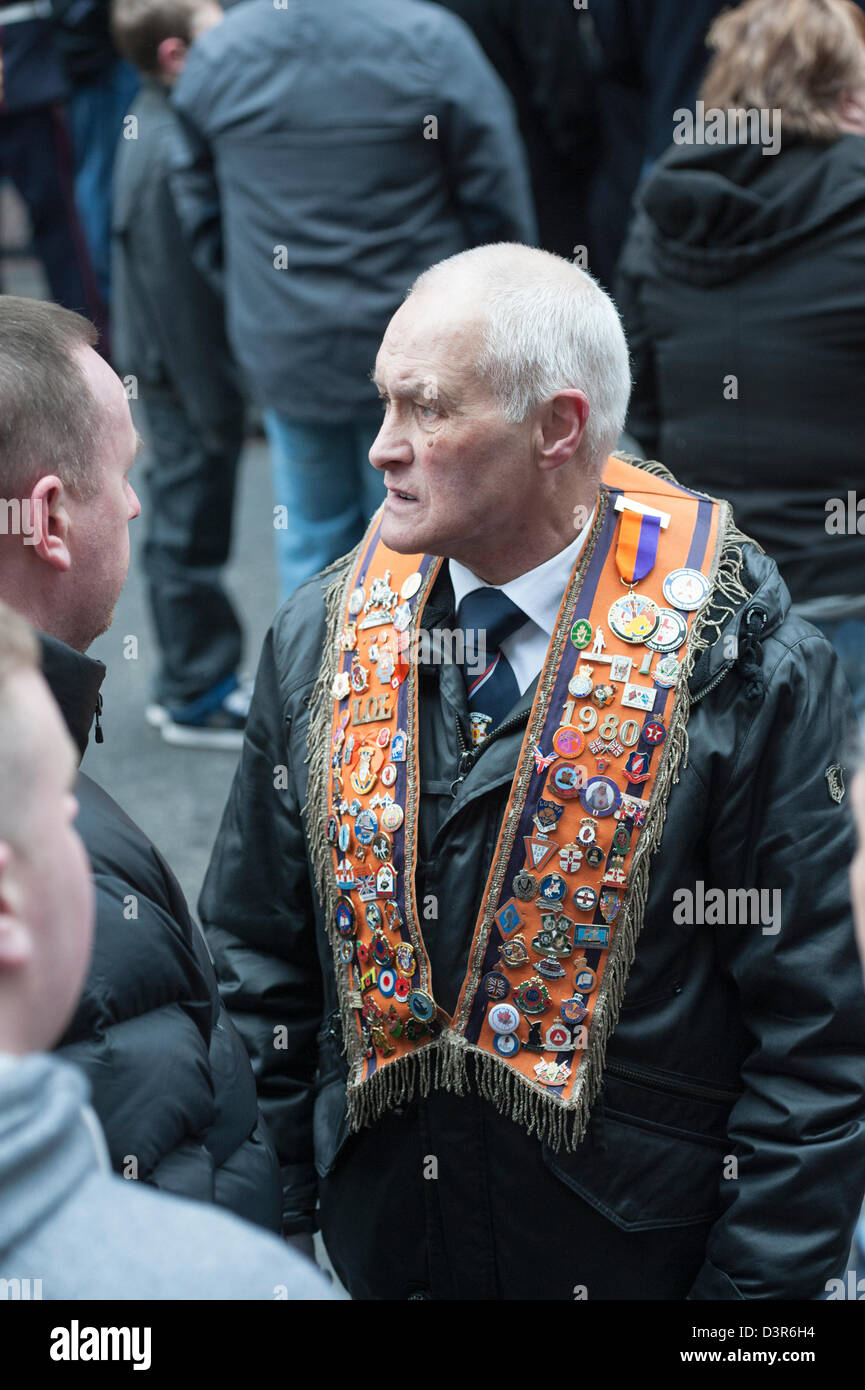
(134, 504)
(391, 445)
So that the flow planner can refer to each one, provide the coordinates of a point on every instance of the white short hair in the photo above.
(548, 326)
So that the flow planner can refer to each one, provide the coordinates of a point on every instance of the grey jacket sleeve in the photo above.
(798, 1131)
(482, 146)
(257, 912)
(193, 181)
(184, 314)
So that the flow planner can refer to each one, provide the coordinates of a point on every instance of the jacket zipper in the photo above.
(713, 684)
(707, 689)
(660, 1083)
(469, 756)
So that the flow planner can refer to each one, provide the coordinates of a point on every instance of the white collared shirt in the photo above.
(539, 594)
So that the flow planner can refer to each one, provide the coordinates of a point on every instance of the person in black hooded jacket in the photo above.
(742, 287)
(170, 1078)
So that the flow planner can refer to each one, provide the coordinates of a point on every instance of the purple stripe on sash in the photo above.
(399, 790)
(700, 537)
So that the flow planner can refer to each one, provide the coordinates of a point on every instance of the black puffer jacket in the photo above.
(742, 288)
(732, 1041)
(171, 1082)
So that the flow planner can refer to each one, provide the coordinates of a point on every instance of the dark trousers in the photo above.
(36, 154)
(190, 500)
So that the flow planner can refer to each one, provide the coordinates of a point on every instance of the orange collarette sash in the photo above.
(567, 887)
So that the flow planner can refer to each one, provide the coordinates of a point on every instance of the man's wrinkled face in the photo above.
(458, 475)
(99, 537)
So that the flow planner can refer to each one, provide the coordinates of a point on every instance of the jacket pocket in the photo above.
(329, 1118)
(653, 1155)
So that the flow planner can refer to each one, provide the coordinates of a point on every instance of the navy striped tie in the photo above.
(490, 618)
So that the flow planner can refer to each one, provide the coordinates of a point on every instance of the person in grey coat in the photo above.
(332, 150)
(169, 337)
(69, 1229)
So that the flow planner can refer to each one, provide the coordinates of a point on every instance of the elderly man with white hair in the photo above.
(530, 896)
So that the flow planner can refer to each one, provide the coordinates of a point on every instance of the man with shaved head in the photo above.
(530, 898)
(67, 1226)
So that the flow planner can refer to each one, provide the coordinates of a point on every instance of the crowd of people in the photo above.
(527, 961)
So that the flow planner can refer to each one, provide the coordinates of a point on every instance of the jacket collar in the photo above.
(74, 680)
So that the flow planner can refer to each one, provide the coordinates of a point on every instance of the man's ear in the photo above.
(16, 945)
(561, 424)
(50, 521)
(171, 57)
(853, 111)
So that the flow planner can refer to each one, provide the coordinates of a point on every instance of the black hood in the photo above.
(718, 211)
(74, 680)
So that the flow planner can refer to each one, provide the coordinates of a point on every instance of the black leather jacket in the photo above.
(726, 1154)
(169, 1079)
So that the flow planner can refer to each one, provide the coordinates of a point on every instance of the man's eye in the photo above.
(429, 412)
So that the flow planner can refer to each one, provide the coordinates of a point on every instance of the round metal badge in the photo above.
(382, 846)
(586, 898)
(388, 775)
(585, 980)
(670, 632)
(496, 985)
(568, 742)
(402, 988)
(580, 685)
(506, 1044)
(600, 796)
(411, 584)
(356, 601)
(373, 917)
(581, 633)
(421, 1005)
(686, 588)
(365, 827)
(386, 982)
(344, 917)
(392, 816)
(634, 617)
(567, 781)
(553, 888)
(503, 1018)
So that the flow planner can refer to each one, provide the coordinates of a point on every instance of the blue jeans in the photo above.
(847, 636)
(95, 112)
(323, 478)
